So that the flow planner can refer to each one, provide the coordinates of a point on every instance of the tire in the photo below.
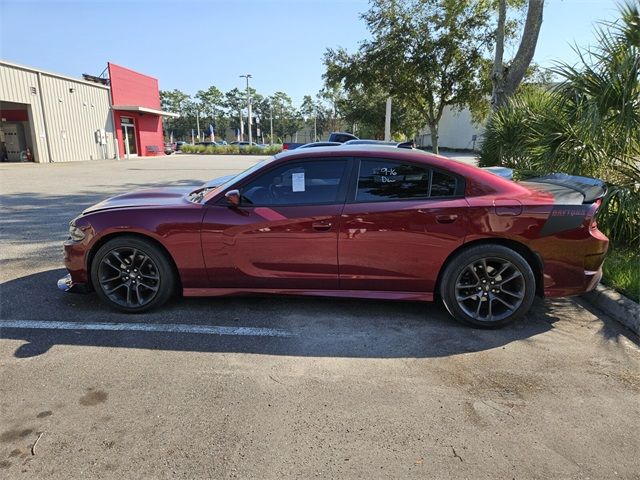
(470, 296)
(132, 275)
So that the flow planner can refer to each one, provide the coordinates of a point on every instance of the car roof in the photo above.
(481, 180)
(370, 142)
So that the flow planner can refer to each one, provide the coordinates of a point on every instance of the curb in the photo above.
(616, 305)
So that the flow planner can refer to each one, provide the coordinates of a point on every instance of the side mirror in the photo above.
(233, 197)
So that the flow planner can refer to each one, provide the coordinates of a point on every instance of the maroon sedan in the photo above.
(362, 221)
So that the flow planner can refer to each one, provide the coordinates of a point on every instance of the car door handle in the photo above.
(446, 218)
(321, 226)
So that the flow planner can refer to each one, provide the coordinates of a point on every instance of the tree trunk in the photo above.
(505, 80)
(497, 74)
(433, 127)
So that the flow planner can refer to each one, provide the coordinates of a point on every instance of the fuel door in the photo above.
(507, 207)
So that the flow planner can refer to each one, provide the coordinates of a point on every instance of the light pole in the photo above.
(248, 76)
(198, 122)
(271, 121)
(315, 123)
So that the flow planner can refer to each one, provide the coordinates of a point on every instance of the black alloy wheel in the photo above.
(132, 274)
(488, 286)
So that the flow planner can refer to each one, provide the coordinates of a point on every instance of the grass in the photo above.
(622, 271)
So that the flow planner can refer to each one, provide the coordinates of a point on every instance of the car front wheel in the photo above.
(488, 286)
(132, 275)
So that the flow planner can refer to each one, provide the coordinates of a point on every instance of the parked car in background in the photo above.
(208, 143)
(320, 144)
(168, 148)
(178, 145)
(349, 221)
(292, 145)
(407, 144)
(341, 137)
(244, 144)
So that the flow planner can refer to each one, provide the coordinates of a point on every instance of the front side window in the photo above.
(302, 183)
(381, 180)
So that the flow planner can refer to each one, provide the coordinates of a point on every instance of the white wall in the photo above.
(456, 130)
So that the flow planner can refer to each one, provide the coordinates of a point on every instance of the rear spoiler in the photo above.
(570, 188)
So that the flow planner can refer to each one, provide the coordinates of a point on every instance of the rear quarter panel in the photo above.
(564, 255)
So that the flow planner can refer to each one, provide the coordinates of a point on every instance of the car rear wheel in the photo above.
(488, 286)
(132, 275)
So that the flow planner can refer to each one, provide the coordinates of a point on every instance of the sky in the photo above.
(190, 45)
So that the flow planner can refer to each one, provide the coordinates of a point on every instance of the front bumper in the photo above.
(77, 280)
(66, 284)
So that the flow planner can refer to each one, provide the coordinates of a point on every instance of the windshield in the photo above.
(209, 193)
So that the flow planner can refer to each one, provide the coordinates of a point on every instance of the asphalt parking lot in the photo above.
(268, 387)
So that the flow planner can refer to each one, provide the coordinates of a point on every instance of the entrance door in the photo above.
(129, 136)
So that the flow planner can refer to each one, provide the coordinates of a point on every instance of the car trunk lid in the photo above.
(568, 189)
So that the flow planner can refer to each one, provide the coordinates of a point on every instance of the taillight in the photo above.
(285, 146)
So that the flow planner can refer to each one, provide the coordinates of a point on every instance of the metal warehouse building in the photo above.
(46, 117)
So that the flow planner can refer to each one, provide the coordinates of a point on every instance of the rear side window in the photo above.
(381, 180)
(442, 185)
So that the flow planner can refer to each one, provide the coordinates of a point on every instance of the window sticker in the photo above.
(297, 182)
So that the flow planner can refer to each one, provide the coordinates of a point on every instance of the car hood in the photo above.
(152, 197)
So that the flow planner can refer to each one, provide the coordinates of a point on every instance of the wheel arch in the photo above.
(141, 236)
(534, 261)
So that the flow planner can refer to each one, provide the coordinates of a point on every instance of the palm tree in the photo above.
(589, 124)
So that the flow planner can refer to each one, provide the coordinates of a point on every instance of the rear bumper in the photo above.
(576, 267)
(587, 281)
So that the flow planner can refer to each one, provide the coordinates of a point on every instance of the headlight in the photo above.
(75, 233)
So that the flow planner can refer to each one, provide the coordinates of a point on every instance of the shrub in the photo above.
(588, 125)
(232, 150)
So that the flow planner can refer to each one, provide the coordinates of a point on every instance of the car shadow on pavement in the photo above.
(322, 327)
(41, 219)
(31, 213)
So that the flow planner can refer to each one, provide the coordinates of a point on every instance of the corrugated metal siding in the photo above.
(71, 118)
(15, 86)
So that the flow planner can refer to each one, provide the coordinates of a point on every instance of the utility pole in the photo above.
(248, 76)
(271, 121)
(387, 121)
(315, 124)
(198, 123)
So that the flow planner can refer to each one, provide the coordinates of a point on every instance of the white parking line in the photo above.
(147, 327)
